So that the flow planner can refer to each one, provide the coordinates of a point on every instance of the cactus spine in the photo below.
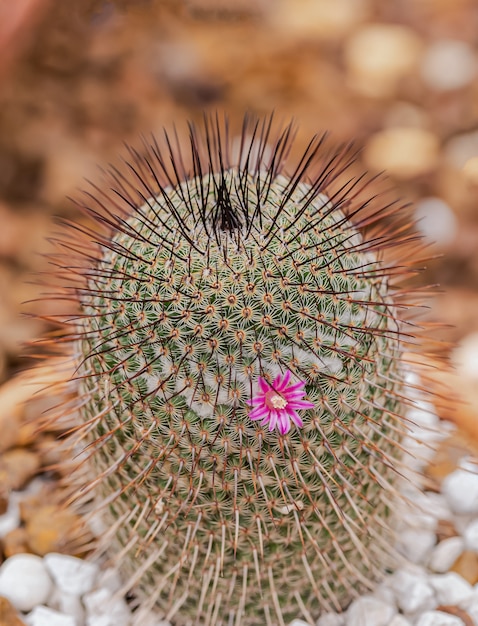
(216, 266)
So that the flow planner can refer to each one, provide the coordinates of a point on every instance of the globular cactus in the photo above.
(239, 365)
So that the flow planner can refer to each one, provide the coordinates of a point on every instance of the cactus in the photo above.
(220, 285)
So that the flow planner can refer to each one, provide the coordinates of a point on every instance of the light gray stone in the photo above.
(72, 575)
(461, 491)
(470, 536)
(445, 554)
(451, 588)
(412, 591)
(416, 543)
(24, 580)
(369, 611)
(331, 619)
(448, 64)
(100, 604)
(399, 620)
(67, 603)
(43, 616)
(439, 618)
(10, 519)
(109, 579)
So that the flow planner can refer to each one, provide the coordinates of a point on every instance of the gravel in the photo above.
(62, 590)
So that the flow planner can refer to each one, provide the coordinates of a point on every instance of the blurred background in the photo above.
(400, 77)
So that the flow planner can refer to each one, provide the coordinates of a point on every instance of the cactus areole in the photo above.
(239, 375)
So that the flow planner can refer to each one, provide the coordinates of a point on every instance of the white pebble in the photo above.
(451, 589)
(470, 535)
(10, 519)
(471, 607)
(298, 622)
(399, 620)
(448, 64)
(24, 580)
(433, 503)
(383, 592)
(331, 619)
(416, 543)
(461, 491)
(100, 604)
(369, 611)
(412, 591)
(71, 574)
(465, 355)
(99, 620)
(109, 579)
(67, 603)
(43, 616)
(436, 221)
(445, 554)
(439, 618)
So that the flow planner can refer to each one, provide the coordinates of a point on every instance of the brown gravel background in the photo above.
(78, 78)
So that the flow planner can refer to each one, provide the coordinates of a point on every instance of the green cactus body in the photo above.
(232, 274)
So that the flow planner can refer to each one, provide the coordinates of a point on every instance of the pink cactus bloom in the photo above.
(277, 403)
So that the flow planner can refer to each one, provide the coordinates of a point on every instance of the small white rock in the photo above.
(451, 589)
(416, 543)
(100, 604)
(445, 554)
(109, 579)
(399, 620)
(369, 611)
(471, 607)
(412, 591)
(71, 574)
(461, 491)
(10, 519)
(331, 619)
(298, 622)
(384, 592)
(448, 64)
(99, 620)
(43, 616)
(470, 535)
(24, 580)
(439, 618)
(436, 220)
(67, 603)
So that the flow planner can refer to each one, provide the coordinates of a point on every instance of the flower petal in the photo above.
(281, 385)
(284, 424)
(296, 419)
(300, 404)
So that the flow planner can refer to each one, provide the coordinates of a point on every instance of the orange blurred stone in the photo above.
(4, 491)
(9, 418)
(18, 466)
(445, 529)
(454, 610)
(8, 615)
(32, 503)
(15, 542)
(447, 456)
(52, 529)
(50, 450)
(405, 152)
(377, 56)
(467, 566)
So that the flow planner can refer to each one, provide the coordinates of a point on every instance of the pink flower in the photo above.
(277, 403)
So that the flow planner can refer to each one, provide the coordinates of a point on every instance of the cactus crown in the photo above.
(219, 271)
